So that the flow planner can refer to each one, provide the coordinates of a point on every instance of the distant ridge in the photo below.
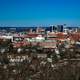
(18, 29)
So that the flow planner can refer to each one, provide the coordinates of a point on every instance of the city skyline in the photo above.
(39, 12)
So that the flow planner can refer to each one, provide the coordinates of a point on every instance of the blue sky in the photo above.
(39, 12)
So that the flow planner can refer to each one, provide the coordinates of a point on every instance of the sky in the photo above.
(39, 12)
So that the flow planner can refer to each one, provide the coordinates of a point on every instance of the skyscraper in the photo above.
(53, 28)
(60, 28)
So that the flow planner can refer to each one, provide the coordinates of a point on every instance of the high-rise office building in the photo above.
(60, 28)
(53, 28)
